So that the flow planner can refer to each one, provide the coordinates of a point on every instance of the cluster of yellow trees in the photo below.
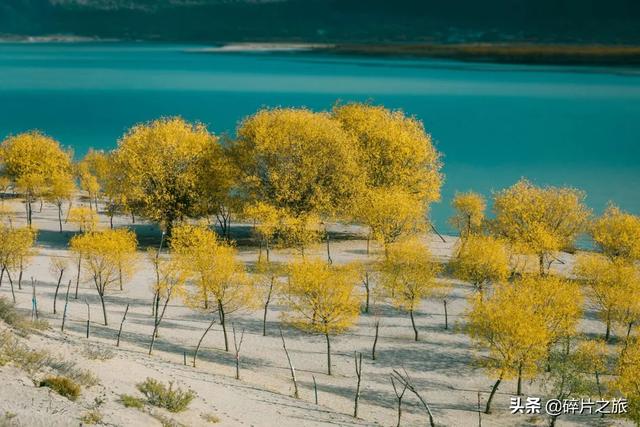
(288, 171)
(523, 317)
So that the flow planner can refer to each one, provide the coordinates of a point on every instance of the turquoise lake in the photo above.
(493, 124)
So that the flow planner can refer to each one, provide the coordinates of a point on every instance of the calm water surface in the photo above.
(493, 123)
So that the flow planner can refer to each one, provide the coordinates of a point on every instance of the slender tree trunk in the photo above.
(413, 323)
(541, 263)
(358, 363)
(626, 340)
(88, 317)
(519, 387)
(224, 325)
(124, 317)
(291, 368)
(13, 293)
(78, 276)
(66, 304)
(195, 354)
(1, 276)
(315, 388)
(104, 308)
(367, 290)
(55, 295)
(111, 220)
(329, 260)
(493, 392)
(607, 334)
(446, 315)
(328, 353)
(375, 341)
(266, 307)
(60, 216)
(20, 275)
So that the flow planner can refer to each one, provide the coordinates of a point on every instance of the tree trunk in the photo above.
(541, 263)
(607, 334)
(266, 307)
(195, 354)
(20, 276)
(519, 387)
(224, 325)
(13, 293)
(55, 295)
(358, 362)
(60, 216)
(124, 317)
(368, 291)
(375, 341)
(1, 276)
(328, 353)
(493, 392)
(446, 315)
(78, 276)
(413, 323)
(104, 309)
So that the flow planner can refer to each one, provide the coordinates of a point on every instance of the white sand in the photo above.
(441, 363)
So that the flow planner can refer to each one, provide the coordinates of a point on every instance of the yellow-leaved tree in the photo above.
(85, 218)
(617, 233)
(99, 250)
(627, 382)
(614, 286)
(390, 214)
(321, 298)
(300, 162)
(266, 221)
(31, 161)
(16, 244)
(518, 324)
(469, 214)
(540, 221)
(408, 275)
(213, 268)
(481, 260)
(401, 167)
(60, 190)
(158, 166)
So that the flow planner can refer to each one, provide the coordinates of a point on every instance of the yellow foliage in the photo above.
(157, 167)
(85, 218)
(297, 160)
(627, 382)
(614, 286)
(390, 213)
(16, 246)
(519, 322)
(617, 233)
(408, 274)
(538, 220)
(469, 213)
(481, 261)
(394, 149)
(102, 252)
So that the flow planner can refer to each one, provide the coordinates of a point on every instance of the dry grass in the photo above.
(169, 398)
(63, 386)
(91, 417)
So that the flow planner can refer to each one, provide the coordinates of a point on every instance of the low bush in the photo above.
(91, 417)
(97, 353)
(131, 401)
(63, 386)
(157, 394)
(14, 352)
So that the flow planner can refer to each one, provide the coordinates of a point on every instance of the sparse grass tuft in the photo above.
(18, 321)
(131, 401)
(63, 386)
(166, 421)
(12, 351)
(8, 419)
(91, 417)
(210, 418)
(98, 353)
(69, 369)
(157, 394)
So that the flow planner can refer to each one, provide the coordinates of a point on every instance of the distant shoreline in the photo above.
(530, 54)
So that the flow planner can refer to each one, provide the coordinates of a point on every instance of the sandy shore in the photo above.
(441, 363)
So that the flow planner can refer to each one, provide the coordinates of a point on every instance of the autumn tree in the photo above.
(60, 190)
(31, 161)
(539, 221)
(266, 221)
(613, 286)
(58, 265)
(100, 249)
(299, 162)
(158, 166)
(125, 255)
(15, 245)
(518, 323)
(627, 381)
(469, 213)
(169, 284)
(617, 234)
(390, 214)
(408, 275)
(401, 168)
(212, 266)
(85, 218)
(267, 286)
(481, 260)
(321, 298)
(22, 241)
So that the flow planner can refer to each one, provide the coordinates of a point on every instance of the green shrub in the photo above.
(157, 394)
(131, 401)
(63, 386)
(91, 417)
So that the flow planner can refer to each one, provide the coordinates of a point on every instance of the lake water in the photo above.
(493, 123)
